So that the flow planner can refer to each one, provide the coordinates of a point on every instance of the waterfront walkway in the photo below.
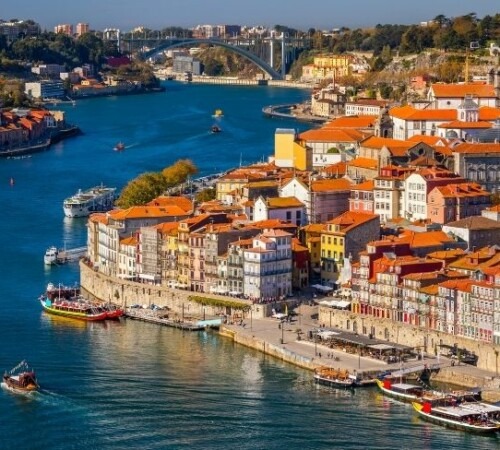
(310, 354)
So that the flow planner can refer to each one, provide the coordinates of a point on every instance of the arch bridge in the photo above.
(150, 46)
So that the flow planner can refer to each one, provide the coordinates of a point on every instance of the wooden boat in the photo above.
(332, 377)
(475, 418)
(21, 379)
(112, 311)
(406, 392)
(61, 292)
(75, 309)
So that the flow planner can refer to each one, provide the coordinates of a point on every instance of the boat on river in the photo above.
(334, 377)
(406, 392)
(215, 129)
(95, 199)
(61, 292)
(21, 379)
(471, 417)
(76, 309)
(218, 113)
(119, 147)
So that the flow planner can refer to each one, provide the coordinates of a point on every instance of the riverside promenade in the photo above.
(271, 336)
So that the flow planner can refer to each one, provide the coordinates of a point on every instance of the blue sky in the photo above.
(300, 14)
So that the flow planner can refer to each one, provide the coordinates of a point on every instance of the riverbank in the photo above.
(287, 343)
(288, 112)
(41, 145)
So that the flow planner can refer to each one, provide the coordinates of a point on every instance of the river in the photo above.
(135, 385)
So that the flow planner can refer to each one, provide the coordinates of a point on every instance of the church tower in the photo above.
(384, 124)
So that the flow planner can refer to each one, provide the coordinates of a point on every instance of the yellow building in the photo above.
(289, 151)
(310, 236)
(333, 66)
(344, 237)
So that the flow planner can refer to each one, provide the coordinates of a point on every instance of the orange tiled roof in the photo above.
(366, 186)
(284, 202)
(461, 190)
(182, 202)
(459, 285)
(489, 113)
(424, 239)
(137, 212)
(132, 241)
(349, 220)
(410, 113)
(339, 169)
(429, 140)
(167, 227)
(364, 163)
(332, 135)
(99, 218)
(466, 125)
(377, 142)
(480, 90)
(352, 122)
(338, 184)
(468, 147)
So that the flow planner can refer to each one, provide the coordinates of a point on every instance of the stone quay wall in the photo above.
(270, 349)
(409, 335)
(98, 286)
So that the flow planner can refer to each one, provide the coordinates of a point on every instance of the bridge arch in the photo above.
(175, 42)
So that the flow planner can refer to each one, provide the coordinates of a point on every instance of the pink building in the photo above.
(361, 199)
(457, 201)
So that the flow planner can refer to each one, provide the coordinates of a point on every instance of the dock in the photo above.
(56, 256)
(156, 317)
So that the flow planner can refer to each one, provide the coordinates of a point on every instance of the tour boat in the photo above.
(333, 377)
(119, 147)
(112, 311)
(473, 417)
(21, 379)
(61, 292)
(96, 199)
(406, 392)
(76, 309)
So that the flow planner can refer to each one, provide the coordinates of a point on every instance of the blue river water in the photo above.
(139, 386)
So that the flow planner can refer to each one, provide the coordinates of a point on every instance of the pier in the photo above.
(159, 317)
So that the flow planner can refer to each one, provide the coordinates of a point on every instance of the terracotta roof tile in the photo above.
(480, 90)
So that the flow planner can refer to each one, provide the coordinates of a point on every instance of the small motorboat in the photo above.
(21, 379)
(218, 113)
(119, 147)
(215, 129)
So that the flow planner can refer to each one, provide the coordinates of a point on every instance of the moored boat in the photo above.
(61, 292)
(112, 311)
(480, 418)
(21, 379)
(75, 309)
(333, 377)
(50, 256)
(406, 392)
(96, 199)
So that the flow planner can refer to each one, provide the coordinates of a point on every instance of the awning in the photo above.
(335, 303)
(322, 288)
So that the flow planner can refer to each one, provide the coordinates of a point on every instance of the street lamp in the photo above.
(282, 331)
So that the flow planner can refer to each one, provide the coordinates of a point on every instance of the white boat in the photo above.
(96, 199)
(50, 256)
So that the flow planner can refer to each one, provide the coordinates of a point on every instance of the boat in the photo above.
(76, 309)
(21, 379)
(332, 377)
(475, 418)
(96, 199)
(406, 392)
(215, 129)
(119, 147)
(61, 292)
(112, 311)
(50, 256)
(218, 113)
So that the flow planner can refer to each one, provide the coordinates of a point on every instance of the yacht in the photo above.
(96, 199)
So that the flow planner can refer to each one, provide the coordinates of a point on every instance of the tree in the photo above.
(205, 195)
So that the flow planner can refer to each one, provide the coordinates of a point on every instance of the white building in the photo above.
(45, 89)
(285, 209)
(267, 266)
(127, 258)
